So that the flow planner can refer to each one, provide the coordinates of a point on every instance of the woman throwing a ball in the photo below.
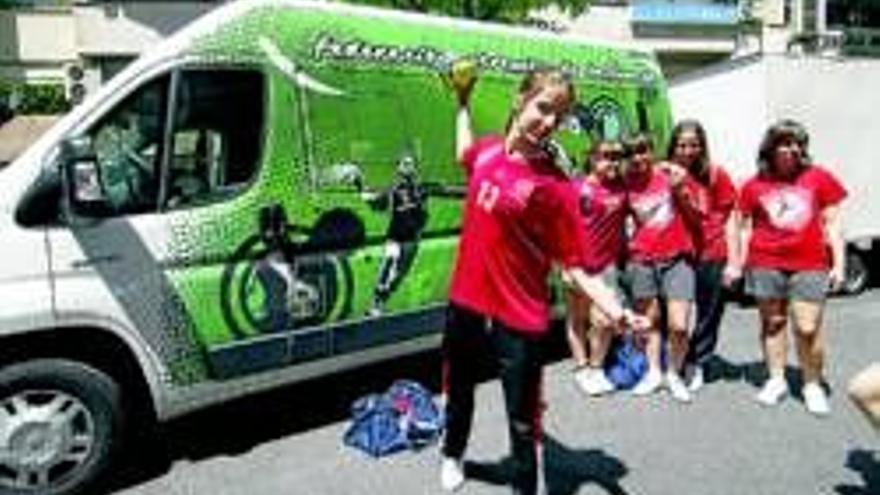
(520, 217)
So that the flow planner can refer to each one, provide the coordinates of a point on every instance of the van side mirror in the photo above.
(85, 190)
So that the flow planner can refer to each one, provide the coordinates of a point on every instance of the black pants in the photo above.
(710, 300)
(474, 345)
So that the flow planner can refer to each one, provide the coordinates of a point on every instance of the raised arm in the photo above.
(462, 78)
(464, 134)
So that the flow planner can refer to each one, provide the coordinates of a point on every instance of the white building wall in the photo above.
(603, 22)
(126, 29)
(677, 53)
(35, 44)
(613, 23)
(38, 44)
(772, 11)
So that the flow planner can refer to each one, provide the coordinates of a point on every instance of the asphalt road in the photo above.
(289, 441)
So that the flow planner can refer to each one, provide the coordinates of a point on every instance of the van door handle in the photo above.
(95, 260)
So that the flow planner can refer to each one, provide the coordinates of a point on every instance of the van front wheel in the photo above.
(60, 422)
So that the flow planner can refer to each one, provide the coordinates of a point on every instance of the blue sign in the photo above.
(684, 13)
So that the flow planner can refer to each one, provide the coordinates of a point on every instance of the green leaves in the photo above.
(508, 11)
(34, 98)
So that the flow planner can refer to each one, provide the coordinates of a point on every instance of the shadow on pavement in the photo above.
(239, 426)
(718, 368)
(566, 470)
(866, 463)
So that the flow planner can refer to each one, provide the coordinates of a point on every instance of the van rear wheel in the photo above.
(857, 274)
(60, 424)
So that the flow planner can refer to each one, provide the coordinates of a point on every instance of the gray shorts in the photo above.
(767, 283)
(673, 279)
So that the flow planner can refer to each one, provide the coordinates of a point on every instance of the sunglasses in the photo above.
(640, 149)
(613, 156)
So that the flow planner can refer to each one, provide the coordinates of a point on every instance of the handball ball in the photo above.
(464, 72)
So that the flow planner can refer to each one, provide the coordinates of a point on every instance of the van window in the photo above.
(218, 124)
(215, 143)
(127, 148)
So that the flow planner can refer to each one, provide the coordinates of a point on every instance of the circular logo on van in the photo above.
(608, 118)
(270, 290)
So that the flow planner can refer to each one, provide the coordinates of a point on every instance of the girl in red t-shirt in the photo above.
(713, 230)
(603, 208)
(659, 262)
(789, 220)
(520, 216)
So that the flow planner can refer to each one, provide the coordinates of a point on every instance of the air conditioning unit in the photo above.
(74, 82)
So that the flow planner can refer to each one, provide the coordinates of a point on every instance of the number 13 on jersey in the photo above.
(487, 195)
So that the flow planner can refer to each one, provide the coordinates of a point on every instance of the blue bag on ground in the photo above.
(405, 417)
(375, 427)
(421, 419)
(626, 363)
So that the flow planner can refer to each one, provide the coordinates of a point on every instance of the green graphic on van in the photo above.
(280, 279)
(347, 228)
(328, 47)
(603, 118)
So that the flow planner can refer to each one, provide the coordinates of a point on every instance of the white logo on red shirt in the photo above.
(593, 198)
(612, 202)
(522, 190)
(789, 208)
(586, 199)
(654, 210)
(488, 194)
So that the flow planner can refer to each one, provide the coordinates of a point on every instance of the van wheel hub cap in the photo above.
(45, 436)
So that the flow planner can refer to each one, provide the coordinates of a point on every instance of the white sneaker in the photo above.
(775, 389)
(815, 399)
(697, 380)
(451, 474)
(593, 381)
(648, 384)
(677, 387)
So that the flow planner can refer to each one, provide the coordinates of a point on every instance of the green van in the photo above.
(269, 195)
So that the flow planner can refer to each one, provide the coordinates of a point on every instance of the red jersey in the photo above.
(660, 230)
(519, 217)
(603, 210)
(787, 229)
(714, 202)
